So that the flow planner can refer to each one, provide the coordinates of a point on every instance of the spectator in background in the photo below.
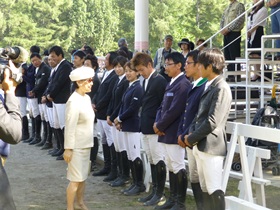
(123, 45)
(199, 42)
(184, 45)
(275, 21)
(255, 30)
(79, 58)
(232, 32)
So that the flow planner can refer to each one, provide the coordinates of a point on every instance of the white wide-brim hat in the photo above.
(81, 73)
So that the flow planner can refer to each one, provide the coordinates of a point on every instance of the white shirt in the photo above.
(196, 82)
(107, 73)
(55, 68)
(147, 80)
(121, 77)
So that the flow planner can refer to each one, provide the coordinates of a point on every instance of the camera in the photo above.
(18, 55)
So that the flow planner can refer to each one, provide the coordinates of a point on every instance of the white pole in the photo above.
(141, 26)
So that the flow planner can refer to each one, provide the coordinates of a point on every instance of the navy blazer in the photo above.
(41, 80)
(104, 95)
(191, 108)
(115, 103)
(59, 90)
(29, 78)
(129, 110)
(151, 101)
(171, 109)
(208, 128)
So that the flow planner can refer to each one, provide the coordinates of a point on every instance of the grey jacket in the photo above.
(10, 120)
(208, 127)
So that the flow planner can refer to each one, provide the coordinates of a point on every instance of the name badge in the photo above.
(169, 94)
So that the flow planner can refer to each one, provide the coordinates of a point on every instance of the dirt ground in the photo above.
(38, 181)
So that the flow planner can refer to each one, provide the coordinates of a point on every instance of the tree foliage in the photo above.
(100, 23)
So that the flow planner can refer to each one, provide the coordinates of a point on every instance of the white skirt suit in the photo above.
(79, 126)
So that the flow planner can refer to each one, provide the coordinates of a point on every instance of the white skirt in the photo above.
(78, 167)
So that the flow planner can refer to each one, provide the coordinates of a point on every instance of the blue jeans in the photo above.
(275, 25)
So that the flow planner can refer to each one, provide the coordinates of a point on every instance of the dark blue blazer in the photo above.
(151, 101)
(171, 109)
(29, 78)
(41, 81)
(129, 110)
(104, 95)
(191, 108)
(115, 103)
(59, 90)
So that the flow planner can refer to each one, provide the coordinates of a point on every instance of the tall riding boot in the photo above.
(125, 170)
(38, 126)
(154, 185)
(173, 193)
(197, 193)
(207, 201)
(93, 153)
(107, 162)
(133, 173)
(160, 183)
(139, 187)
(56, 145)
(48, 143)
(218, 200)
(118, 181)
(182, 184)
(25, 131)
(114, 167)
(45, 134)
(61, 140)
(32, 130)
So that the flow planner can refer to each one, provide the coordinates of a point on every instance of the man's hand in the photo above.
(109, 121)
(8, 84)
(49, 98)
(157, 131)
(181, 142)
(31, 94)
(187, 142)
(67, 155)
(225, 31)
(44, 99)
(94, 107)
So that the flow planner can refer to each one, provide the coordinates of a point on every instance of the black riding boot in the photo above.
(181, 185)
(218, 200)
(32, 131)
(207, 201)
(48, 143)
(107, 162)
(93, 153)
(197, 193)
(119, 180)
(154, 185)
(25, 131)
(45, 134)
(172, 197)
(133, 173)
(38, 125)
(124, 170)
(61, 141)
(114, 167)
(160, 183)
(139, 187)
(56, 145)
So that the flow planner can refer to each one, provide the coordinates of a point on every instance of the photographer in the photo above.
(10, 132)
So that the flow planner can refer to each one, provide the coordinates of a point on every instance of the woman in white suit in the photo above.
(79, 122)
